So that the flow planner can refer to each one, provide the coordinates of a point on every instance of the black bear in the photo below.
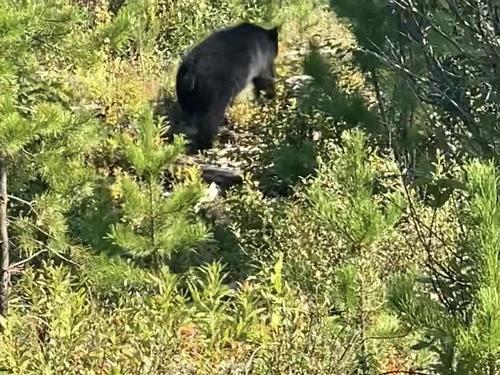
(215, 71)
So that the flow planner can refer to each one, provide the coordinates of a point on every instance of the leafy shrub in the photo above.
(456, 308)
(98, 206)
(55, 324)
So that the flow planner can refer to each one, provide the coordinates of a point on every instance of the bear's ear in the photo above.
(274, 33)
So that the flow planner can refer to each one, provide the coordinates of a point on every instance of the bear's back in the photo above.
(229, 50)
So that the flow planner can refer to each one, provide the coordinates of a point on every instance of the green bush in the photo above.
(55, 325)
(456, 307)
(119, 264)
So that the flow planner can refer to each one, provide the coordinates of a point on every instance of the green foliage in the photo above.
(41, 133)
(372, 25)
(338, 239)
(108, 277)
(290, 164)
(461, 325)
(56, 327)
(184, 22)
(342, 195)
(99, 204)
(59, 316)
(30, 109)
(327, 97)
(151, 225)
(434, 91)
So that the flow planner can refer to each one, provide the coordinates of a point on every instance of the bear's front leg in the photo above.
(266, 85)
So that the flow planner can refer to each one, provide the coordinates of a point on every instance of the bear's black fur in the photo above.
(218, 69)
